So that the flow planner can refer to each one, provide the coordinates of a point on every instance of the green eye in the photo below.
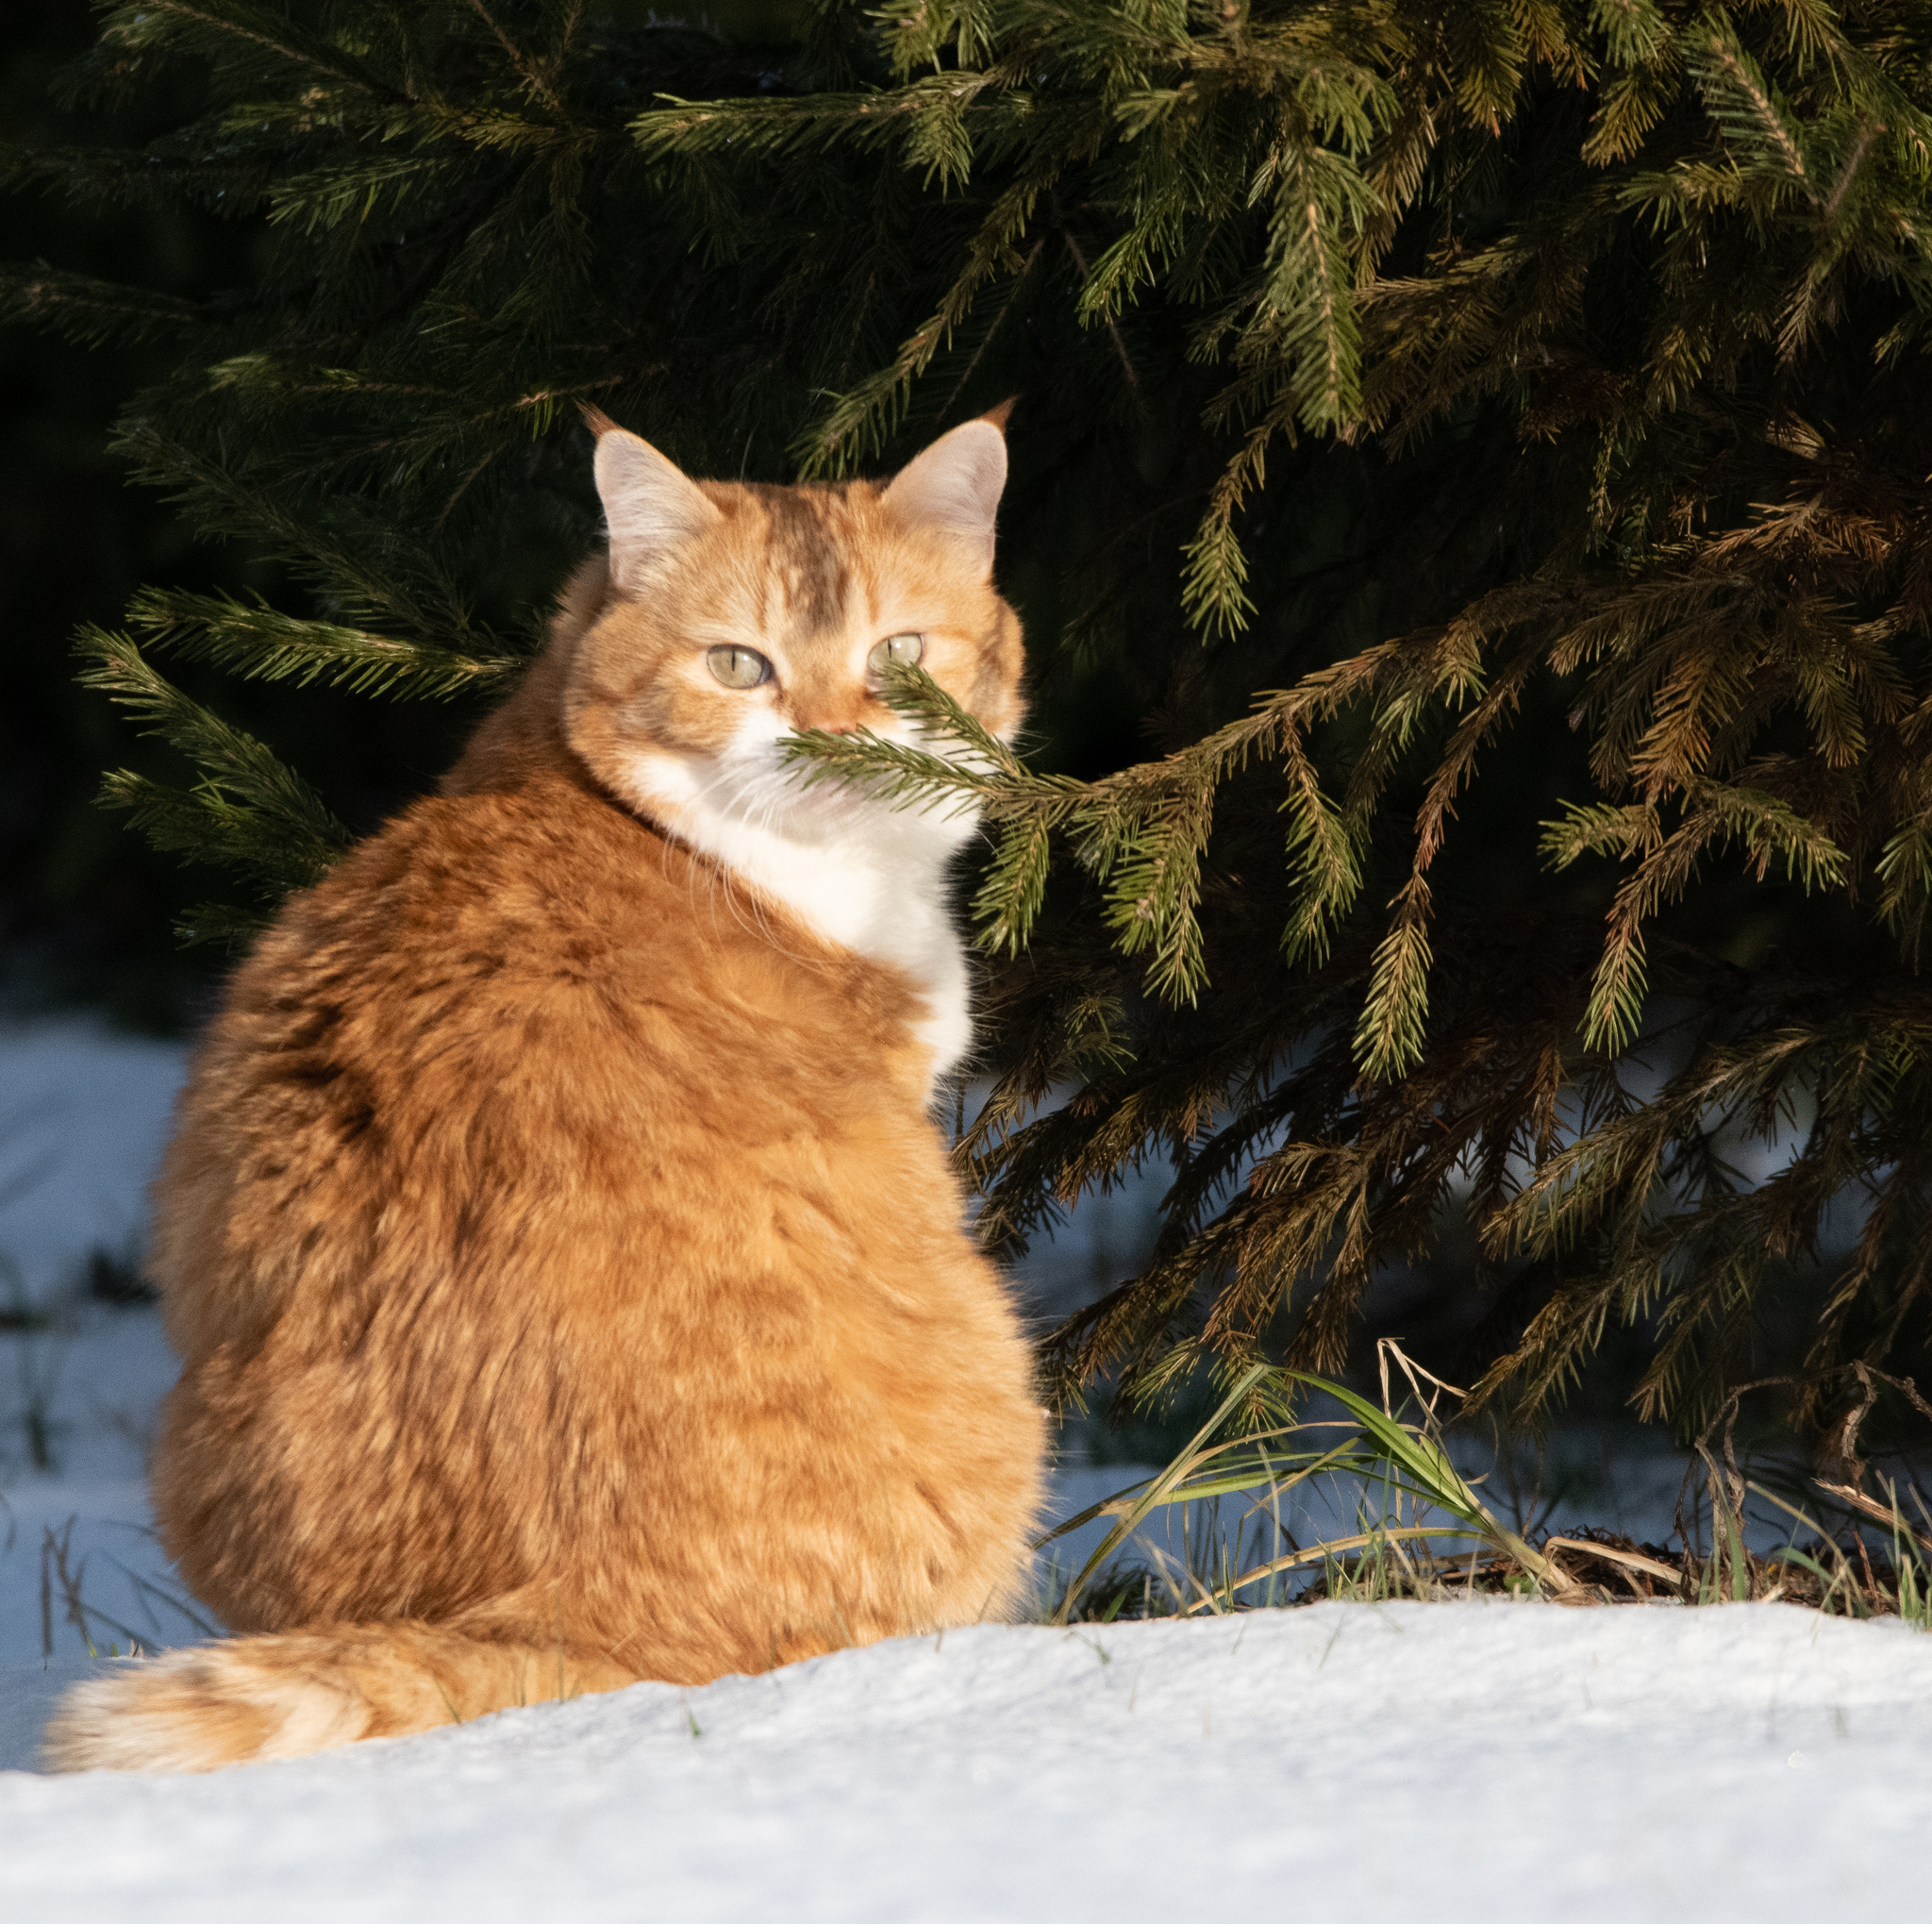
(898, 650)
(738, 667)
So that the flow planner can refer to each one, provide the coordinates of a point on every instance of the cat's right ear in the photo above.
(955, 485)
(650, 506)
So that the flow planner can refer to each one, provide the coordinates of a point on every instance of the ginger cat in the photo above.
(570, 1278)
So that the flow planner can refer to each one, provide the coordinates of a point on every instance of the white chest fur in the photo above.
(857, 873)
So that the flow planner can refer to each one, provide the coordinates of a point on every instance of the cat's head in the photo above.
(738, 614)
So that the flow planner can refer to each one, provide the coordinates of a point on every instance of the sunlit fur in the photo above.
(570, 1280)
(811, 578)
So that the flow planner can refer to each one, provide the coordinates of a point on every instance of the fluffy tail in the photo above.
(285, 1696)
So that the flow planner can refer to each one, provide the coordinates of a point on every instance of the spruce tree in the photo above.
(1471, 511)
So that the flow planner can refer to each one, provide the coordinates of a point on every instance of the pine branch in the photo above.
(247, 810)
(1391, 375)
(87, 311)
(364, 572)
(226, 26)
(256, 641)
(981, 768)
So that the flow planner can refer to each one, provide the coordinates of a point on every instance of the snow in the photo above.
(83, 1118)
(104, 1373)
(1453, 1758)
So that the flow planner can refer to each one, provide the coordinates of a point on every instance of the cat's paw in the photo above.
(198, 1710)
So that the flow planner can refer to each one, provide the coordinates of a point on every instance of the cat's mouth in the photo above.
(758, 789)
(767, 786)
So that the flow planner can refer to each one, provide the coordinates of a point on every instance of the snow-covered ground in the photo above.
(1449, 1760)
(1457, 1757)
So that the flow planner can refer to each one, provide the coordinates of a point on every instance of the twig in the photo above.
(532, 78)
(54, 1552)
(999, 321)
(1120, 346)
(1857, 1499)
(1846, 1450)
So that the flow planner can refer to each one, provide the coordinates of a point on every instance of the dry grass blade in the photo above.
(1333, 1549)
(1891, 1516)
(1629, 1559)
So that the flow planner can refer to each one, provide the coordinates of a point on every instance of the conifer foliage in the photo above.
(1486, 445)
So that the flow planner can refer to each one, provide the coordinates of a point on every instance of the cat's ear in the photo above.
(957, 483)
(650, 506)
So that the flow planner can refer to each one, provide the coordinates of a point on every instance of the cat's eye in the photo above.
(738, 667)
(898, 651)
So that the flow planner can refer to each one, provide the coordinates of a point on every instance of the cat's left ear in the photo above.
(957, 483)
(650, 506)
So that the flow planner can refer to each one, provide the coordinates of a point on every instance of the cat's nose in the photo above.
(832, 704)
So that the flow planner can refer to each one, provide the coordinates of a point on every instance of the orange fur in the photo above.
(569, 1278)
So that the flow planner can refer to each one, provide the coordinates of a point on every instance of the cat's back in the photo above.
(476, 1022)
